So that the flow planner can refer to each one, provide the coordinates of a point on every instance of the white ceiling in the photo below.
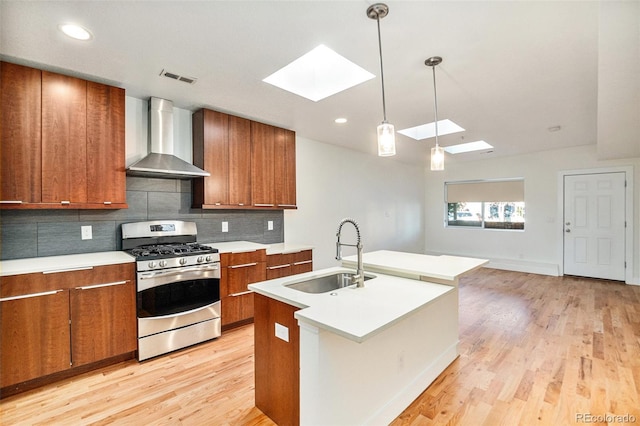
(511, 69)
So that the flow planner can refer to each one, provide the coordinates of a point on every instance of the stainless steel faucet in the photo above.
(357, 279)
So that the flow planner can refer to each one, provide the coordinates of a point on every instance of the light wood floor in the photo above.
(533, 350)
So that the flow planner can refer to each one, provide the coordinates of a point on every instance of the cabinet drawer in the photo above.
(15, 285)
(236, 259)
(280, 259)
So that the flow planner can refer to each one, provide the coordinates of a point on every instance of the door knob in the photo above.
(568, 223)
(567, 230)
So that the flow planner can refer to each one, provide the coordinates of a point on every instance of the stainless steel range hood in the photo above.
(161, 163)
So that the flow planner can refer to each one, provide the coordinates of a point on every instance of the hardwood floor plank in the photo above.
(533, 350)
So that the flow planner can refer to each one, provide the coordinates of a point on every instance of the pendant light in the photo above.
(437, 152)
(386, 132)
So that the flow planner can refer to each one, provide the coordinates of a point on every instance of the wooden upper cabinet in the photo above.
(252, 165)
(62, 141)
(106, 180)
(285, 168)
(239, 161)
(222, 146)
(263, 143)
(64, 134)
(20, 134)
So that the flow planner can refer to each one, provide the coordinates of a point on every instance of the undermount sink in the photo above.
(326, 283)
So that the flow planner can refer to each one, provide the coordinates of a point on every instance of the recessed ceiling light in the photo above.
(467, 147)
(319, 74)
(424, 131)
(75, 31)
(340, 120)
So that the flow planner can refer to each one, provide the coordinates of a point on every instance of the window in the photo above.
(486, 204)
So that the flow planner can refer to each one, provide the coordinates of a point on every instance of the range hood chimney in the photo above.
(161, 163)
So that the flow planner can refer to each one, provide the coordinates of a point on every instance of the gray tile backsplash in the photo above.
(33, 233)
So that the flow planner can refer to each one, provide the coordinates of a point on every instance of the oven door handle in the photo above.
(158, 274)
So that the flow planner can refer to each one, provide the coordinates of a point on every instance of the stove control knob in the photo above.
(152, 264)
(183, 261)
(200, 259)
(163, 263)
(208, 258)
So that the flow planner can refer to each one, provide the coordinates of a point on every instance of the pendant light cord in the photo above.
(384, 107)
(435, 101)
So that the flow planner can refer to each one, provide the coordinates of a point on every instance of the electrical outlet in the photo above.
(86, 232)
(270, 225)
(225, 226)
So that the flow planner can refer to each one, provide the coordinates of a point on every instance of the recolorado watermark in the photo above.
(605, 418)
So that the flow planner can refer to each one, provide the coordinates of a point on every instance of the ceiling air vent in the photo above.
(190, 80)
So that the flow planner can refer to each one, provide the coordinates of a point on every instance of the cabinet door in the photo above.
(210, 152)
(285, 168)
(103, 321)
(239, 161)
(236, 308)
(35, 335)
(277, 361)
(64, 134)
(20, 134)
(262, 165)
(105, 145)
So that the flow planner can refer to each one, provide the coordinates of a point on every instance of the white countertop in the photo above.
(236, 246)
(244, 246)
(284, 248)
(58, 263)
(354, 313)
(418, 266)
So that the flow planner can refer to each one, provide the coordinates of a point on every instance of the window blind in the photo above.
(505, 190)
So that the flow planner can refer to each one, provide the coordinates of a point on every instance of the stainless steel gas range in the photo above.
(178, 286)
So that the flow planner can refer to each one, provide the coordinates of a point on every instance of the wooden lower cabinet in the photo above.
(283, 265)
(238, 270)
(277, 362)
(59, 321)
(101, 321)
(35, 336)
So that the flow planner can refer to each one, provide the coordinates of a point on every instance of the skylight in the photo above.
(424, 131)
(467, 147)
(319, 74)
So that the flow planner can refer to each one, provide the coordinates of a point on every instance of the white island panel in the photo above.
(343, 382)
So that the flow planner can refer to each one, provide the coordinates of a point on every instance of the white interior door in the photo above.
(594, 225)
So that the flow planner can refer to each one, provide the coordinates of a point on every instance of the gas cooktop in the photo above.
(164, 251)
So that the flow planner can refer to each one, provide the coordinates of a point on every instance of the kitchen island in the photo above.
(351, 355)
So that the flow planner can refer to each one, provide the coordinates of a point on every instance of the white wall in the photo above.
(384, 196)
(537, 249)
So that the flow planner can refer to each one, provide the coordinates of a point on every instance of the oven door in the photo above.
(177, 297)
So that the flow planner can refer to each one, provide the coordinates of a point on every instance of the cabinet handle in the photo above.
(57, 271)
(28, 296)
(287, 205)
(107, 202)
(64, 202)
(245, 265)
(89, 287)
(11, 202)
(240, 294)
(217, 204)
(279, 266)
(241, 204)
(304, 262)
(263, 205)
